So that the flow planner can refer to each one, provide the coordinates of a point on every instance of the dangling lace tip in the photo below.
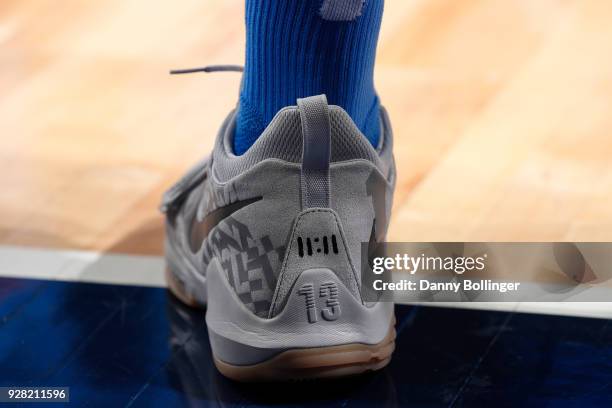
(187, 71)
(209, 68)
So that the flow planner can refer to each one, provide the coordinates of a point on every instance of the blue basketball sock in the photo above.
(299, 48)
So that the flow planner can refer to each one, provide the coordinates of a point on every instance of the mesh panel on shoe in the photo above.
(282, 140)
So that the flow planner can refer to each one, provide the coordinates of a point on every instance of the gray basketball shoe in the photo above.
(271, 242)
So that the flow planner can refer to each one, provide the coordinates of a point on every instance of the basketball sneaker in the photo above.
(270, 241)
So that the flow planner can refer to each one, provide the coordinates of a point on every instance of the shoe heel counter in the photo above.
(317, 241)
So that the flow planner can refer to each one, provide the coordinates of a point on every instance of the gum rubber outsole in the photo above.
(307, 363)
(317, 362)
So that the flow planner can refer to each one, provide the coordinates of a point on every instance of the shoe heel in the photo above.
(322, 331)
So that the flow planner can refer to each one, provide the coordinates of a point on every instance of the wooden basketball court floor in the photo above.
(503, 132)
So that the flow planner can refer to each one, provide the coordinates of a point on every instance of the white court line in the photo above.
(96, 267)
(81, 266)
(602, 310)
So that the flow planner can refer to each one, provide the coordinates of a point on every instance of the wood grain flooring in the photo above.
(502, 112)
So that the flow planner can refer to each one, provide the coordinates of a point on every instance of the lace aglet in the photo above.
(188, 71)
(209, 68)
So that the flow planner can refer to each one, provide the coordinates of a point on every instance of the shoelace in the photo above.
(208, 68)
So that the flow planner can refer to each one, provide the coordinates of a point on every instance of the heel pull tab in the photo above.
(316, 136)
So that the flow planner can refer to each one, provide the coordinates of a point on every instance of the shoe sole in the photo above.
(307, 363)
(317, 362)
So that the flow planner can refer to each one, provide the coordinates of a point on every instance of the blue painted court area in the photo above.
(135, 346)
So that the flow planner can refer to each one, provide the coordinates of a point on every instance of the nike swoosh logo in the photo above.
(201, 229)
